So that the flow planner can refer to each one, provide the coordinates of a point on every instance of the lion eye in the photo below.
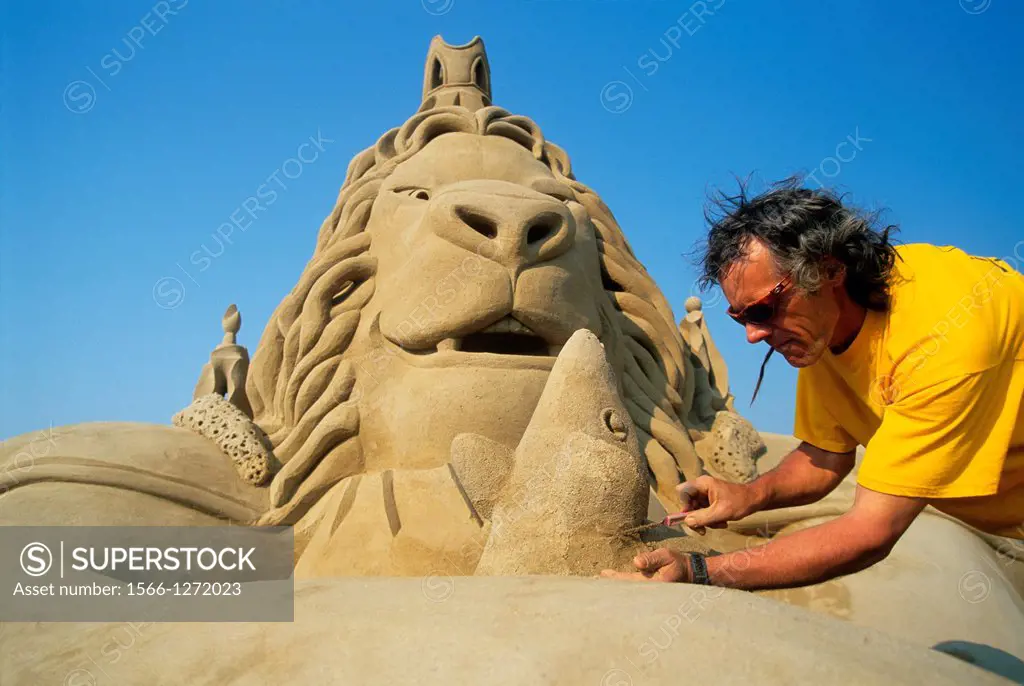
(560, 196)
(559, 193)
(414, 192)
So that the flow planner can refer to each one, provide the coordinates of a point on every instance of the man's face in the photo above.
(803, 324)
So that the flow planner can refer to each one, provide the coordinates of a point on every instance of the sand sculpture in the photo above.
(460, 236)
(473, 376)
(472, 337)
(420, 357)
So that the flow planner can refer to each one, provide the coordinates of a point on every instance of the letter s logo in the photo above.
(36, 559)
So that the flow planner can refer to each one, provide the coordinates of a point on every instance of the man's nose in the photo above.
(517, 231)
(757, 332)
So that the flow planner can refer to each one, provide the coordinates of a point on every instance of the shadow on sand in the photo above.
(988, 658)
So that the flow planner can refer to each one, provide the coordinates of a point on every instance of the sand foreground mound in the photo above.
(471, 630)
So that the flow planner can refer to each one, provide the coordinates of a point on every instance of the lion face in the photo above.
(471, 230)
(486, 265)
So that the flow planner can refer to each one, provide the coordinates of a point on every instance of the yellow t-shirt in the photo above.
(933, 389)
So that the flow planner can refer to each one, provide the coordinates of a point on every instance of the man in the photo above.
(915, 352)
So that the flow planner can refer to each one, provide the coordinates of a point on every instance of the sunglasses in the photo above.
(762, 310)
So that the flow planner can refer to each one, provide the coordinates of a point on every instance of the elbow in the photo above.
(879, 546)
(874, 552)
(859, 554)
(871, 543)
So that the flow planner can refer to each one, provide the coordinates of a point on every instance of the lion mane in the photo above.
(301, 382)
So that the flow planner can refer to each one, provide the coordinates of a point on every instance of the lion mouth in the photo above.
(504, 343)
(507, 336)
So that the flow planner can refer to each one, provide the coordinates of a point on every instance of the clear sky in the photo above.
(131, 130)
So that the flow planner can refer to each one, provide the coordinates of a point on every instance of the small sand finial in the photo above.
(693, 304)
(231, 322)
(228, 367)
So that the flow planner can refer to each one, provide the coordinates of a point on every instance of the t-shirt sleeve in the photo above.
(943, 440)
(814, 422)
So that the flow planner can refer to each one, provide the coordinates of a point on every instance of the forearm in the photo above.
(805, 476)
(810, 556)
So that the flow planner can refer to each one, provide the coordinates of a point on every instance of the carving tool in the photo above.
(670, 520)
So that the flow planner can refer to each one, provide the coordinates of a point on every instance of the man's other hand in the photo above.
(713, 502)
(658, 565)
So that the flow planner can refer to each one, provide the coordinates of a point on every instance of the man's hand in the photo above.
(715, 503)
(659, 565)
(849, 543)
(804, 476)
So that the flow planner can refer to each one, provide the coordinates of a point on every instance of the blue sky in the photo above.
(118, 166)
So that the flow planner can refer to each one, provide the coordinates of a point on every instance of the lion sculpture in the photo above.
(460, 258)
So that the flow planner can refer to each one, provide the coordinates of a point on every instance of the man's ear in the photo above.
(834, 272)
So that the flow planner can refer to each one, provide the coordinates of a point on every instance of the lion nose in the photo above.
(517, 232)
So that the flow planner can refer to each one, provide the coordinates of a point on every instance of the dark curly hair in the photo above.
(803, 229)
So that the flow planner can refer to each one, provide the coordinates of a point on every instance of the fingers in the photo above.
(694, 494)
(701, 529)
(654, 560)
(624, 576)
(688, 496)
(708, 516)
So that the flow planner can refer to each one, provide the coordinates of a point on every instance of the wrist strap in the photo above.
(700, 569)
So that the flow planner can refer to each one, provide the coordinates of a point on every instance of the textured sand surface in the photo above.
(471, 630)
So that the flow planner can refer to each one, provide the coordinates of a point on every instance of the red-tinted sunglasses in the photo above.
(762, 310)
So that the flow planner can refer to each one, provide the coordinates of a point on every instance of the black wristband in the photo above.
(700, 570)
